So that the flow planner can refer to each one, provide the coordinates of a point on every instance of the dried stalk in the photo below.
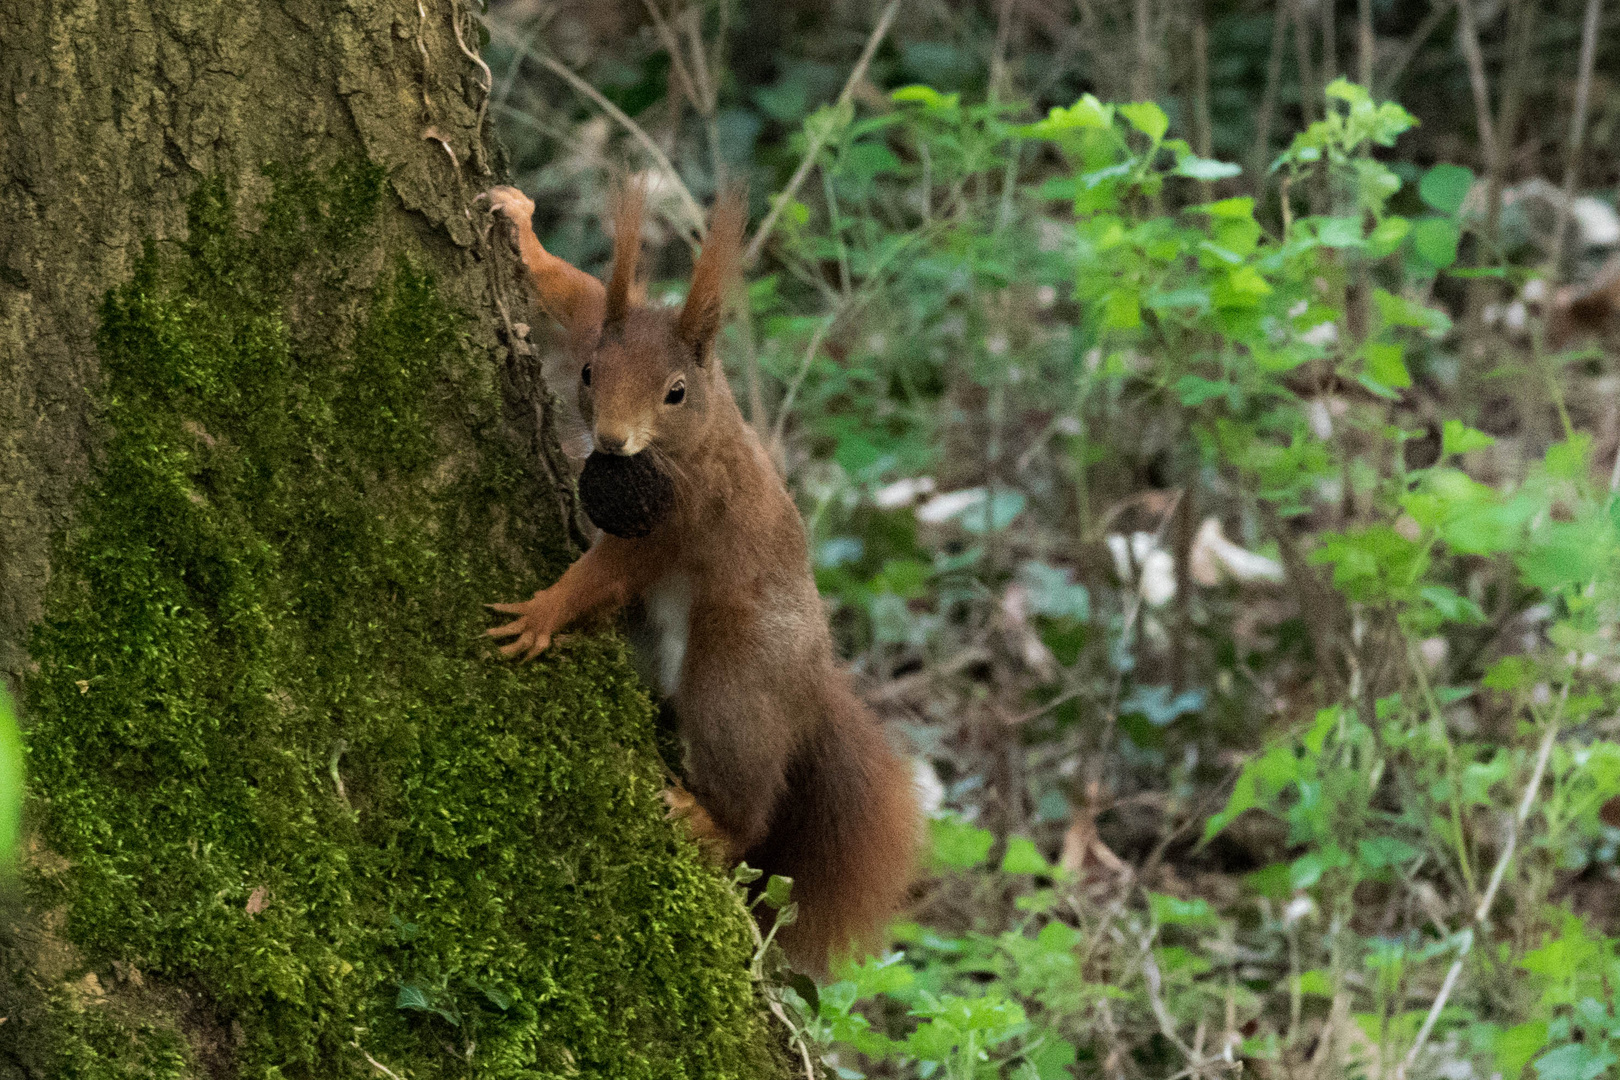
(1268, 100)
(1577, 128)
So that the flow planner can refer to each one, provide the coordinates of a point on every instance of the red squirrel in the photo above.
(790, 771)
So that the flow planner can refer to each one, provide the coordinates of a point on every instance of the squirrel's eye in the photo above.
(585, 375)
(676, 395)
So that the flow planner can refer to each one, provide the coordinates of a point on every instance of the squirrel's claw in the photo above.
(532, 629)
(509, 201)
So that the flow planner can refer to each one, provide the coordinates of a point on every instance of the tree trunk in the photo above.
(270, 434)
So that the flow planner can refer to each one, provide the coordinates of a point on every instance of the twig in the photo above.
(1397, 68)
(1268, 100)
(1468, 39)
(1497, 874)
(1577, 127)
(375, 1064)
(556, 67)
(818, 137)
(693, 210)
(1365, 43)
(1142, 82)
(1309, 88)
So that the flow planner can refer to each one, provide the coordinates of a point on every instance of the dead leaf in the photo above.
(257, 900)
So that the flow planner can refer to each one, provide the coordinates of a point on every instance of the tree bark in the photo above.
(270, 432)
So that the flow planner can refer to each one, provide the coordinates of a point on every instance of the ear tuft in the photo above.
(622, 290)
(722, 248)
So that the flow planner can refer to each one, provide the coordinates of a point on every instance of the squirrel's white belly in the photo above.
(669, 611)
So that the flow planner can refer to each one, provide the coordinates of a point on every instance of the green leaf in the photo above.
(1308, 869)
(1576, 1061)
(1386, 363)
(1086, 113)
(1339, 232)
(1457, 437)
(1453, 607)
(1396, 310)
(1508, 674)
(958, 845)
(1445, 187)
(1146, 117)
(1023, 858)
(1122, 310)
(1053, 1058)
(1197, 168)
(1387, 236)
(411, 996)
(1435, 240)
(1245, 796)
(778, 890)
(1379, 852)
(1316, 983)
(1567, 553)
(1194, 390)
(1240, 208)
(1567, 460)
(925, 95)
(1514, 1047)
(1175, 912)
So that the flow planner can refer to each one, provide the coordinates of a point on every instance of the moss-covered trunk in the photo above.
(268, 438)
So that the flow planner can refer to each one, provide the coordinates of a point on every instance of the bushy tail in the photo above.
(846, 833)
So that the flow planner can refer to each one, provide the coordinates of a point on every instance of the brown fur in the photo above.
(790, 771)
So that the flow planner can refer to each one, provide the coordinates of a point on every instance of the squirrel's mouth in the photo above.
(625, 495)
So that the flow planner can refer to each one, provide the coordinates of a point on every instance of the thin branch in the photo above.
(1309, 88)
(1468, 39)
(1366, 44)
(556, 67)
(1268, 101)
(693, 210)
(818, 138)
(1577, 127)
(1403, 59)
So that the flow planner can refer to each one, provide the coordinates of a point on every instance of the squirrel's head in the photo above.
(646, 377)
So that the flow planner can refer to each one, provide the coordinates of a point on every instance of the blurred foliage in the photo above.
(1209, 463)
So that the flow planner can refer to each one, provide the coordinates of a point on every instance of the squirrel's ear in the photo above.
(700, 318)
(621, 290)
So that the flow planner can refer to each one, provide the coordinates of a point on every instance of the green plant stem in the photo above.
(1482, 912)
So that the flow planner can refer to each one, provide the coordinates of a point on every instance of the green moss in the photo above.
(305, 496)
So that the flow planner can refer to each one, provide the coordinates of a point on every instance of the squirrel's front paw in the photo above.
(532, 628)
(511, 202)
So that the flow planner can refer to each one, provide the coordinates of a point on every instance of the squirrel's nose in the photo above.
(610, 444)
